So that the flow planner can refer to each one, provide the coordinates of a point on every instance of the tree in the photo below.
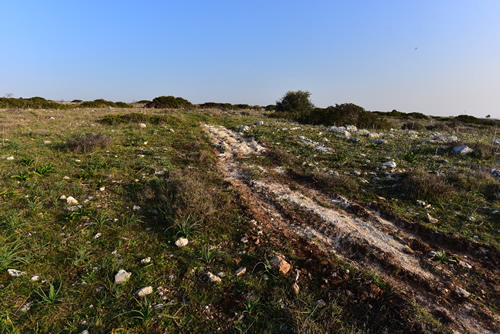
(297, 102)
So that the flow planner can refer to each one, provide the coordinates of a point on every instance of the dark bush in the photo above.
(343, 114)
(77, 101)
(297, 103)
(88, 142)
(271, 107)
(169, 102)
(33, 103)
(138, 118)
(413, 126)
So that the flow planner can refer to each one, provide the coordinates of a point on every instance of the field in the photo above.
(290, 228)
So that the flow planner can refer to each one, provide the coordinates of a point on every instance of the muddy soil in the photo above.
(368, 239)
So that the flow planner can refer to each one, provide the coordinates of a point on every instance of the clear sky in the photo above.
(438, 57)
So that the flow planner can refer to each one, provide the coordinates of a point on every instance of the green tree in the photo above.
(297, 102)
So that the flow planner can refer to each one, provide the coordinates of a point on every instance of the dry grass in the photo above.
(88, 142)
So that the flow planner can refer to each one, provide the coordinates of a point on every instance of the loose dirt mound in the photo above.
(360, 236)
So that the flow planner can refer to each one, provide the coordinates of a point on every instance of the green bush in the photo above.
(169, 102)
(101, 103)
(33, 103)
(297, 103)
(347, 113)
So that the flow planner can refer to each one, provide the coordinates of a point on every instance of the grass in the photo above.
(173, 183)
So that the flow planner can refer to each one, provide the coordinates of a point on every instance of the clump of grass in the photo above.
(10, 253)
(88, 142)
(51, 296)
(419, 184)
(336, 183)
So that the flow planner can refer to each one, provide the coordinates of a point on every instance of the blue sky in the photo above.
(438, 57)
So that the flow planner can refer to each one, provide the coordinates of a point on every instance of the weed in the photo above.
(21, 176)
(27, 161)
(145, 311)
(10, 254)
(207, 255)
(43, 169)
(51, 296)
(185, 226)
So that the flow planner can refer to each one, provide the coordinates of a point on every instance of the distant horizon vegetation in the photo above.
(37, 102)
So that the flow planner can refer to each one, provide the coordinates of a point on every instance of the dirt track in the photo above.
(358, 235)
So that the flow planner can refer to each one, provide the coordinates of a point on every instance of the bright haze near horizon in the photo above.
(438, 57)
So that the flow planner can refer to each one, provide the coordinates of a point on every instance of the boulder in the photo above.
(389, 164)
(462, 150)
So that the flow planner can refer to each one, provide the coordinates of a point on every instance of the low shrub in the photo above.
(421, 185)
(169, 102)
(33, 103)
(101, 103)
(88, 142)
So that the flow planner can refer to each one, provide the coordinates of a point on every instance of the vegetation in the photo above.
(139, 189)
(169, 102)
(297, 103)
(30, 103)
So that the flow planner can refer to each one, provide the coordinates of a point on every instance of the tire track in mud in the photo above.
(341, 232)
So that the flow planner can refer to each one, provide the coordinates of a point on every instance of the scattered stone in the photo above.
(244, 128)
(389, 164)
(462, 150)
(431, 219)
(431, 254)
(71, 200)
(296, 275)
(212, 278)
(46, 142)
(351, 128)
(280, 265)
(84, 332)
(35, 278)
(142, 125)
(221, 274)
(136, 208)
(321, 303)
(464, 264)
(321, 149)
(296, 288)
(143, 292)
(63, 197)
(421, 203)
(10, 158)
(181, 242)
(122, 276)
(340, 129)
(259, 123)
(26, 307)
(379, 141)
(66, 177)
(102, 188)
(240, 271)
(462, 293)
(244, 240)
(353, 140)
(495, 173)
(146, 260)
(98, 235)
(15, 272)
(444, 139)
(496, 142)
